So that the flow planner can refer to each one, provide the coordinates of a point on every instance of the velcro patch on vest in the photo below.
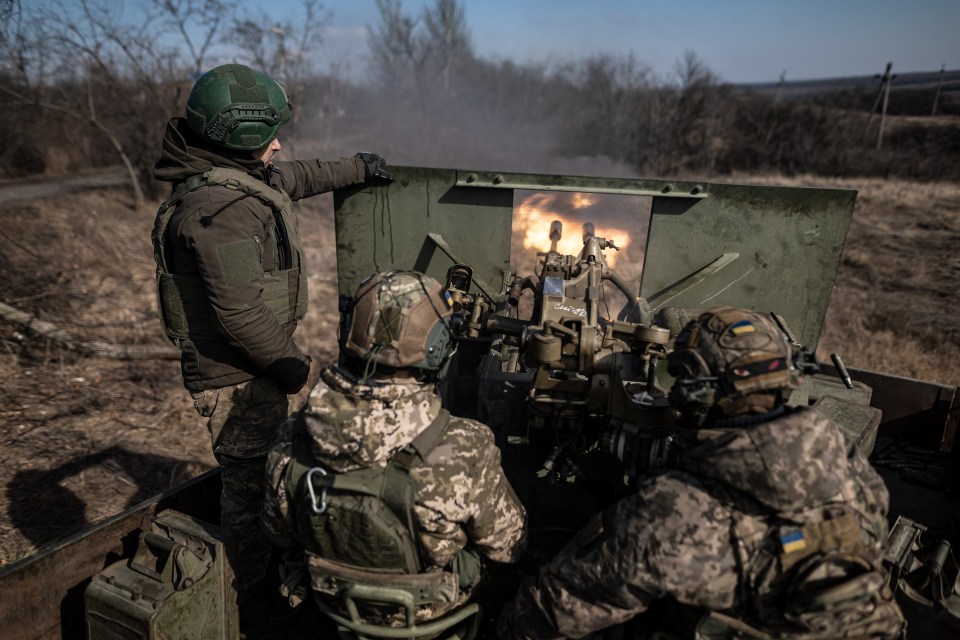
(792, 540)
(239, 261)
(841, 533)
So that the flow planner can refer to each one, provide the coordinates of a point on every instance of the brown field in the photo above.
(82, 438)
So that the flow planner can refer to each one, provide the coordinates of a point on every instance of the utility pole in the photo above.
(936, 96)
(885, 91)
(783, 78)
(776, 99)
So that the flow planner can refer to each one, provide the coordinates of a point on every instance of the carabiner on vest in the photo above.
(321, 505)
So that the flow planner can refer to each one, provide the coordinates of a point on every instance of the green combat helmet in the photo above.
(730, 362)
(236, 107)
(399, 319)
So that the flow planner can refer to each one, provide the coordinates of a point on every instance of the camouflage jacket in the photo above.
(461, 494)
(692, 535)
(211, 220)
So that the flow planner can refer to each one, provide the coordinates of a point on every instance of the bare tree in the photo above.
(11, 15)
(282, 49)
(405, 55)
(109, 65)
(692, 72)
(182, 14)
(8, 9)
(607, 108)
(449, 41)
(699, 107)
(396, 50)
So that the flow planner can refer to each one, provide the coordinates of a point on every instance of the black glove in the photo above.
(290, 374)
(372, 167)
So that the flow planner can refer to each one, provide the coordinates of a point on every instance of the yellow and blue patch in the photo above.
(744, 326)
(448, 298)
(792, 541)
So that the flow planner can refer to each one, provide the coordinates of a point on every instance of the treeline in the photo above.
(82, 87)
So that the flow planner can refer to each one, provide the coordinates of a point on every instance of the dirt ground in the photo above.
(82, 438)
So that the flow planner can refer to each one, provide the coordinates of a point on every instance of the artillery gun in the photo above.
(574, 392)
(566, 386)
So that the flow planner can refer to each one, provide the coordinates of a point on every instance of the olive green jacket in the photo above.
(206, 223)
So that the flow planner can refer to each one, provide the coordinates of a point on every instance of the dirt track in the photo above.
(36, 189)
(82, 438)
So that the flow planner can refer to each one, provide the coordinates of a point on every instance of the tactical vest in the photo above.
(184, 306)
(813, 575)
(362, 519)
(802, 576)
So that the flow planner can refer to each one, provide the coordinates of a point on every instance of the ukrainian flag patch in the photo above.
(744, 326)
(793, 541)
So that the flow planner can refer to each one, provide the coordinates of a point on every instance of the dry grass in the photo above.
(83, 438)
(893, 307)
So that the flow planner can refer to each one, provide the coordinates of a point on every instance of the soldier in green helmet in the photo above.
(374, 480)
(232, 280)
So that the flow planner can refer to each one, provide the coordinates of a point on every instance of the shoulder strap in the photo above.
(424, 443)
(241, 181)
(164, 214)
(392, 484)
(366, 481)
(223, 176)
(399, 494)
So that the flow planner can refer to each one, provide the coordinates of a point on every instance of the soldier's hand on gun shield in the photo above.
(373, 167)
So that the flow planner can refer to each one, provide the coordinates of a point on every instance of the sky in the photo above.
(743, 41)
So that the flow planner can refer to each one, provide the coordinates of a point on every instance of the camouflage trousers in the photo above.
(242, 419)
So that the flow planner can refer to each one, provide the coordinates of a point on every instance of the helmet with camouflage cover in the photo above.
(399, 319)
(237, 107)
(729, 362)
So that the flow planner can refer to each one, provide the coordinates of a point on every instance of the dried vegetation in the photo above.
(82, 437)
(85, 437)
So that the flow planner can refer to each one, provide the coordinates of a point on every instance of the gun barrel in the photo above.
(556, 231)
(589, 231)
(507, 326)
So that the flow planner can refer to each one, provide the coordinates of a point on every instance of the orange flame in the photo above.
(533, 215)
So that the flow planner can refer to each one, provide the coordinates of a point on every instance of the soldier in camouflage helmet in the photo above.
(769, 524)
(377, 414)
(231, 277)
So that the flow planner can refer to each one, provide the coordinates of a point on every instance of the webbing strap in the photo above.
(392, 483)
(165, 213)
(424, 443)
(225, 177)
